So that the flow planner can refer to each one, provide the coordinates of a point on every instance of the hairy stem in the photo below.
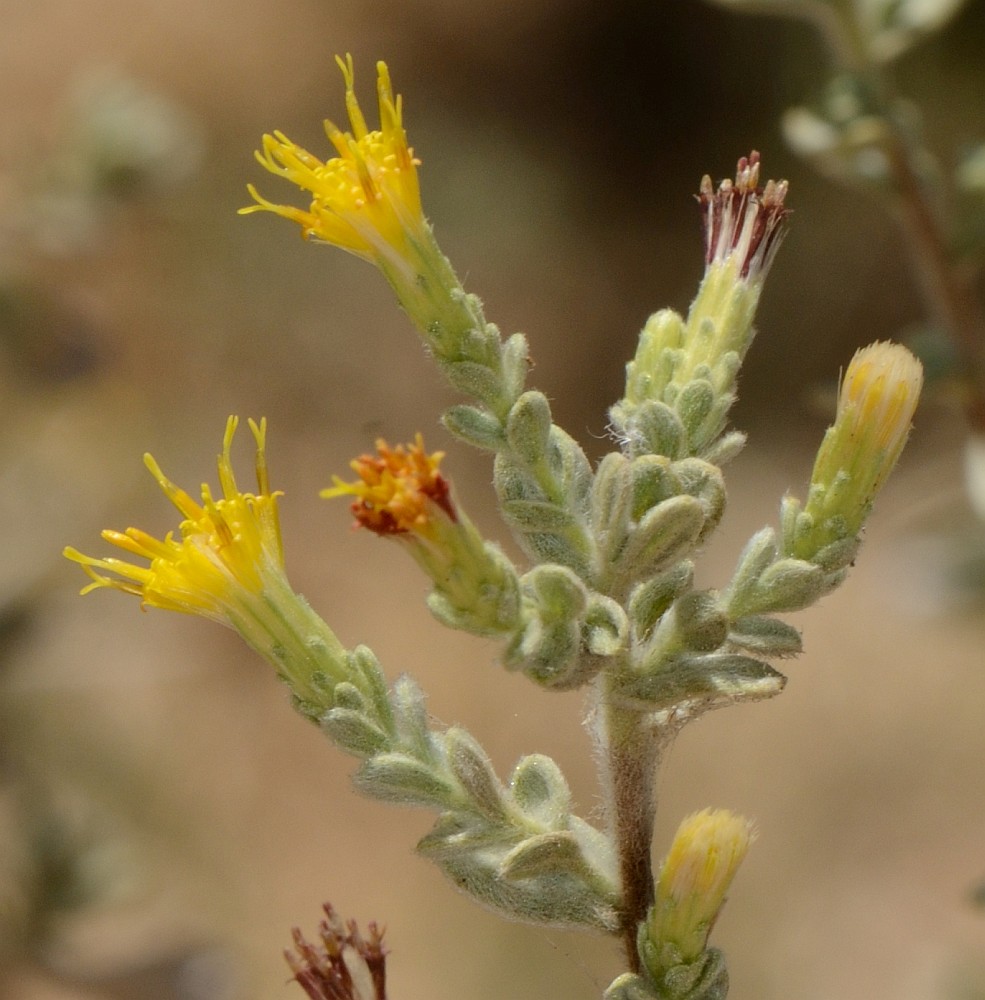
(632, 745)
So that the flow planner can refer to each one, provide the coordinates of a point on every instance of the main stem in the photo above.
(632, 744)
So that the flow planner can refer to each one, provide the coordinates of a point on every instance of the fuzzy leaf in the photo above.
(694, 405)
(661, 429)
(346, 695)
(536, 515)
(477, 427)
(411, 718)
(396, 777)
(691, 685)
(789, 585)
(604, 626)
(765, 636)
(515, 361)
(455, 834)
(471, 766)
(652, 482)
(721, 451)
(665, 534)
(651, 599)
(365, 666)
(704, 482)
(352, 732)
(756, 557)
(561, 900)
(528, 427)
(700, 621)
(472, 379)
(543, 854)
(540, 790)
(610, 510)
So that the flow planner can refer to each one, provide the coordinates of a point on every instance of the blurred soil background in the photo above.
(154, 772)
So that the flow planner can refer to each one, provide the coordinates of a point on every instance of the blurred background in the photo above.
(165, 818)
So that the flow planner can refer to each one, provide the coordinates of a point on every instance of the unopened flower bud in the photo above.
(878, 397)
(706, 853)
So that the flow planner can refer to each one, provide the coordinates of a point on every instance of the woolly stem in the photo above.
(632, 745)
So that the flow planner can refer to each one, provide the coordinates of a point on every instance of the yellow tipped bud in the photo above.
(706, 853)
(878, 397)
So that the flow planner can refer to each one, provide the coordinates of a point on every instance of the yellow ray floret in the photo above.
(229, 548)
(366, 199)
(397, 489)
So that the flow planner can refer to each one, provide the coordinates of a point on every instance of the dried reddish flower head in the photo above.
(742, 220)
(397, 489)
(342, 964)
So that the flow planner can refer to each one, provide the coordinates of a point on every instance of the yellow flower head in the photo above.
(706, 853)
(397, 489)
(229, 548)
(366, 199)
